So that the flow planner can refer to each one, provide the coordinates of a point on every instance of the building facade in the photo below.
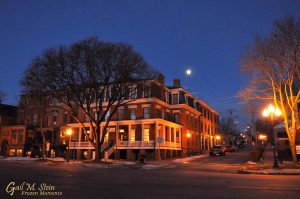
(162, 122)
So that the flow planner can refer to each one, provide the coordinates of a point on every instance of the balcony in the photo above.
(128, 144)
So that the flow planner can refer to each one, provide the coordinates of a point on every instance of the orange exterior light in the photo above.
(262, 137)
(218, 137)
(188, 135)
(69, 132)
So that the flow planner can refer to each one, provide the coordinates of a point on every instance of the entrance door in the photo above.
(4, 147)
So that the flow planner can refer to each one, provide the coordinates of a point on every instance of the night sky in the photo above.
(205, 36)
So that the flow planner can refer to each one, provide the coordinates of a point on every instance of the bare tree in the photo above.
(91, 79)
(1, 96)
(274, 64)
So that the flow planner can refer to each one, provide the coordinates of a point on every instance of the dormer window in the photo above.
(175, 98)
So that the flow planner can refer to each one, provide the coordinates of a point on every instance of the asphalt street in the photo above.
(211, 177)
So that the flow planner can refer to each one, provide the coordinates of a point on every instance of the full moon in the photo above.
(188, 71)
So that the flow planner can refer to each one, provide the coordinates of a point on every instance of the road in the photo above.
(212, 177)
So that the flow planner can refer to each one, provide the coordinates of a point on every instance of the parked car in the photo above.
(217, 150)
(229, 148)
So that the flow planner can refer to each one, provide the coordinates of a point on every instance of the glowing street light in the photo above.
(271, 111)
(188, 135)
(69, 133)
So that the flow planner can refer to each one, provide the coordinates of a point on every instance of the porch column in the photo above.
(164, 133)
(142, 135)
(129, 134)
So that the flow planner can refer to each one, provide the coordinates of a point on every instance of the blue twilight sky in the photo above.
(172, 35)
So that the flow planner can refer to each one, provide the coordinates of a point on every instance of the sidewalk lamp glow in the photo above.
(272, 111)
(262, 137)
(188, 135)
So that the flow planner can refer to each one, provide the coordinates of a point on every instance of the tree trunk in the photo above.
(44, 145)
(294, 155)
(97, 151)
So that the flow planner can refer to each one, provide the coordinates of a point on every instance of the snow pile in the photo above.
(57, 159)
(250, 162)
(1, 157)
(275, 171)
(96, 165)
(182, 160)
(16, 158)
(150, 166)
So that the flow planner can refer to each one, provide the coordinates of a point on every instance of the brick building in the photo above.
(156, 124)
(162, 122)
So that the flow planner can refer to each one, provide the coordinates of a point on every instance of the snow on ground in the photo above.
(57, 159)
(182, 160)
(250, 162)
(16, 158)
(275, 171)
(1, 157)
(151, 166)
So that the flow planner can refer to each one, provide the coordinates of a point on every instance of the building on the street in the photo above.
(161, 122)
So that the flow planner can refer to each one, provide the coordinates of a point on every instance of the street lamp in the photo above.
(188, 135)
(69, 133)
(218, 138)
(271, 111)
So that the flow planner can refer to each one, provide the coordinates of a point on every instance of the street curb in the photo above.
(266, 173)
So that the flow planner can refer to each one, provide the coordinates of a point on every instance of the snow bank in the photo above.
(250, 162)
(150, 166)
(57, 159)
(181, 160)
(16, 158)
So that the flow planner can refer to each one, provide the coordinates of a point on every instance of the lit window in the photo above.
(146, 135)
(132, 135)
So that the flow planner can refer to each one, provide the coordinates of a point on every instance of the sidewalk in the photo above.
(265, 166)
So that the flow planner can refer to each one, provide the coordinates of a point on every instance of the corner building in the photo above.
(162, 122)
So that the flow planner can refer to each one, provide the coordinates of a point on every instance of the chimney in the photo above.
(176, 83)
(161, 79)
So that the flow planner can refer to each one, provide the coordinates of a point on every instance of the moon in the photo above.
(188, 72)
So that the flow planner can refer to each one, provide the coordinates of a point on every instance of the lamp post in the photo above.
(69, 133)
(188, 135)
(271, 111)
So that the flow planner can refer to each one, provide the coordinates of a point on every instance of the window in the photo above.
(133, 114)
(54, 117)
(163, 116)
(132, 135)
(133, 93)
(35, 119)
(20, 136)
(146, 91)
(146, 135)
(106, 116)
(146, 113)
(175, 98)
(120, 114)
(167, 97)
(14, 136)
(176, 118)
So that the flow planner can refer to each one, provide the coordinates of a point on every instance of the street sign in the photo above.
(160, 140)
